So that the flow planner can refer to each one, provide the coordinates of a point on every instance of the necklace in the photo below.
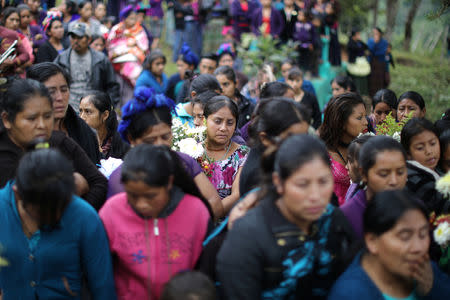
(211, 160)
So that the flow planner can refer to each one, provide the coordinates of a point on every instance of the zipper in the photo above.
(155, 227)
(147, 242)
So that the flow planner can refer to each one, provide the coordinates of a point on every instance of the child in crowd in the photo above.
(305, 34)
(295, 80)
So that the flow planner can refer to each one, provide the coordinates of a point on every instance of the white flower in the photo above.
(176, 122)
(442, 234)
(196, 130)
(396, 136)
(367, 133)
(443, 185)
(191, 147)
(109, 165)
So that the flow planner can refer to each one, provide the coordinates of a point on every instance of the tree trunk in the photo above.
(409, 21)
(391, 15)
(375, 13)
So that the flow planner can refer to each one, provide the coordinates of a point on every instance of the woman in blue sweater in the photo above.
(153, 74)
(396, 264)
(51, 239)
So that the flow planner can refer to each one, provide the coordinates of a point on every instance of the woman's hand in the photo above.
(423, 274)
(81, 184)
(242, 208)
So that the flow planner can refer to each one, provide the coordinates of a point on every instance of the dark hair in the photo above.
(190, 285)
(386, 96)
(154, 165)
(335, 117)
(345, 82)
(273, 116)
(295, 73)
(218, 102)
(227, 71)
(8, 12)
(274, 89)
(204, 97)
(43, 71)
(294, 152)
(387, 208)
(82, 3)
(414, 127)
(375, 145)
(154, 55)
(443, 123)
(71, 7)
(19, 92)
(44, 179)
(96, 36)
(414, 96)
(379, 30)
(355, 146)
(141, 122)
(203, 83)
(288, 61)
(210, 56)
(102, 102)
(444, 142)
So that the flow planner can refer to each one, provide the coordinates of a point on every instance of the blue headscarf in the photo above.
(144, 99)
(188, 56)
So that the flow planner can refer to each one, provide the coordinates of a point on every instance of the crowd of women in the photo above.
(282, 201)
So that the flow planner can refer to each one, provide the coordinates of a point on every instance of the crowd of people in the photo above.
(282, 199)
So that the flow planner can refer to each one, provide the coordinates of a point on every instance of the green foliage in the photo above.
(255, 51)
(390, 126)
(428, 75)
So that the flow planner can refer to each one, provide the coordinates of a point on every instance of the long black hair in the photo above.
(154, 165)
(44, 179)
(102, 102)
(386, 208)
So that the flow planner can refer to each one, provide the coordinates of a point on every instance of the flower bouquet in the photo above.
(441, 233)
(188, 140)
(391, 127)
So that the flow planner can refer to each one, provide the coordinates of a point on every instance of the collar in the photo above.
(423, 168)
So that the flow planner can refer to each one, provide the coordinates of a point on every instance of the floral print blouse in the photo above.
(223, 173)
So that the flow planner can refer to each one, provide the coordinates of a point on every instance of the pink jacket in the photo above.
(148, 252)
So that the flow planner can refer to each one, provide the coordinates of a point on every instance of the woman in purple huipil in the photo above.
(270, 17)
(241, 16)
(383, 163)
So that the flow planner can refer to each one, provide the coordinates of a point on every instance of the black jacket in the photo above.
(246, 108)
(355, 49)
(81, 133)
(47, 52)
(310, 102)
(251, 257)
(103, 77)
(422, 183)
(10, 155)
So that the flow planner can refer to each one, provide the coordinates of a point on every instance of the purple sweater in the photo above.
(353, 209)
(276, 22)
(304, 33)
(241, 20)
(156, 9)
